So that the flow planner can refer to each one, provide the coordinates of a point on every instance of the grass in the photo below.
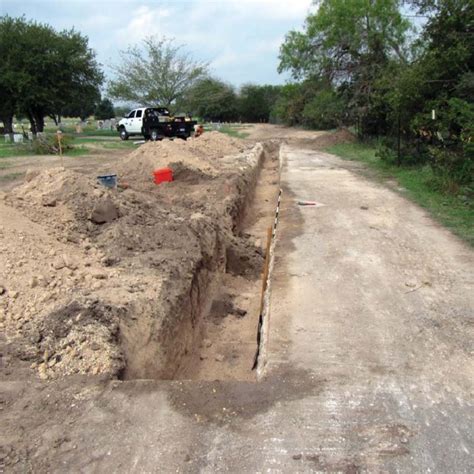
(9, 150)
(452, 211)
(232, 130)
(82, 145)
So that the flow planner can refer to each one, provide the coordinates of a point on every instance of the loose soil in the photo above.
(138, 281)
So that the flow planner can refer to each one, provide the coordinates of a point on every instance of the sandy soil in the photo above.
(81, 262)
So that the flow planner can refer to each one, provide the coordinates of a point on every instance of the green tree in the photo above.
(10, 30)
(44, 71)
(104, 110)
(348, 43)
(256, 102)
(212, 99)
(159, 73)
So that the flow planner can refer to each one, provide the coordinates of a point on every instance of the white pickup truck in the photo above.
(155, 123)
(132, 123)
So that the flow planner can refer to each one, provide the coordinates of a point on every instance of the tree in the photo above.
(104, 110)
(256, 102)
(46, 72)
(288, 108)
(212, 99)
(348, 43)
(10, 31)
(121, 111)
(158, 74)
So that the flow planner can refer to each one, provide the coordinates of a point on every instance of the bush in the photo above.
(454, 167)
(47, 144)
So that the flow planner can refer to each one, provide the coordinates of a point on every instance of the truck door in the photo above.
(129, 121)
(136, 126)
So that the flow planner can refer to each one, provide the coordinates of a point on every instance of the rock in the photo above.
(98, 275)
(33, 282)
(3, 290)
(297, 457)
(48, 201)
(69, 263)
(219, 358)
(95, 346)
(97, 285)
(14, 294)
(207, 343)
(58, 263)
(104, 211)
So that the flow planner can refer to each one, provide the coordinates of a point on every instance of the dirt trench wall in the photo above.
(164, 331)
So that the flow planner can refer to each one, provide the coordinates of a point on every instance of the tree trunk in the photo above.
(7, 123)
(53, 116)
(34, 130)
(39, 120)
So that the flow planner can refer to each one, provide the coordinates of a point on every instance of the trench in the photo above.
(219, 329)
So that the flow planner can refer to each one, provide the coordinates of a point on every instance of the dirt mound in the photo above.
(201, 155)
(342, 135)
(112, 281)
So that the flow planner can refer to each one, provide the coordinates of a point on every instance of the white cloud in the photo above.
(145, 21)
(273, 9)
(239, 38)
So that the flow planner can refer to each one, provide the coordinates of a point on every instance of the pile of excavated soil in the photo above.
(111, 281)
(199, 155)
(342, 135)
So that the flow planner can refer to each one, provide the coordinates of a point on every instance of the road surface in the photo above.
(367, 362)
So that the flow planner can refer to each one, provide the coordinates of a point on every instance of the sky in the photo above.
(240, 39)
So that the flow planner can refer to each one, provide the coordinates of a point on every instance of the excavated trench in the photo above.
(209, 325)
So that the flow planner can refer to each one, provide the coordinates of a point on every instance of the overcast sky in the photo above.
(239, 38)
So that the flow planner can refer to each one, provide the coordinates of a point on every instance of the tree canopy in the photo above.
(158, 73)
(358, 62)
(212, 99)
(45, 72)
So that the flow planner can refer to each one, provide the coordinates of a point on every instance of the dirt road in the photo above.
(366, 363)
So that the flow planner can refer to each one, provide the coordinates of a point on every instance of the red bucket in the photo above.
(163, 175)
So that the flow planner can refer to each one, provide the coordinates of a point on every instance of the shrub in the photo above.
(47, 144)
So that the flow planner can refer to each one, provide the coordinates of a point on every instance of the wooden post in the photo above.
(59, 136)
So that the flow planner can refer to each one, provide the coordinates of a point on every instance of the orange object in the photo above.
(163, 175)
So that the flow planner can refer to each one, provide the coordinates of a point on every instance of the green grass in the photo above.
(233, 131)
(9, 150)
(453, 212)
(82, 145)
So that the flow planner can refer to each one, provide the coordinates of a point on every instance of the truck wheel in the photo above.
(154, 135)
(123, 134)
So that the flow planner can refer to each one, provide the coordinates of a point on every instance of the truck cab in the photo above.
(132, 123)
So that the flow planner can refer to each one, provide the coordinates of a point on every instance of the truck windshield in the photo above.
(131, 114)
